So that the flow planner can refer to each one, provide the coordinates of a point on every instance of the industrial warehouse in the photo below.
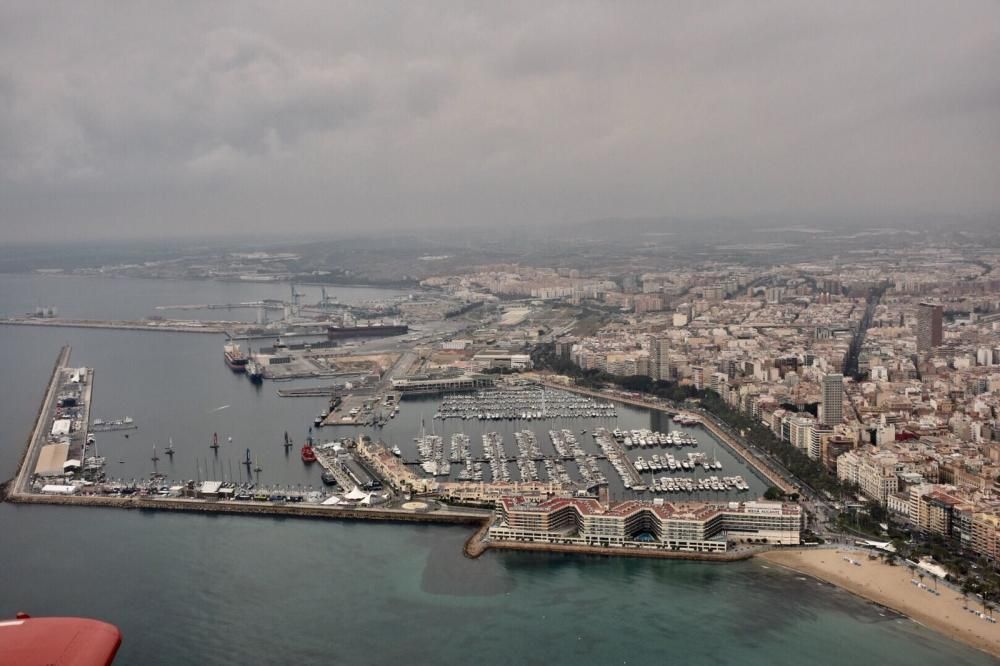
(689, 527)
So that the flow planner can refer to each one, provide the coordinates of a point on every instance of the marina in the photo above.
(524, 403)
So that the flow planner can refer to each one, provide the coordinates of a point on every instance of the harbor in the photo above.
(450, 473)
(48, 475)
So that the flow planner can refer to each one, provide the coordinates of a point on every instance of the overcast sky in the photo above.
(160, 119)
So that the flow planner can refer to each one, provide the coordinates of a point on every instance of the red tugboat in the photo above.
(235, 358)
(308, 455)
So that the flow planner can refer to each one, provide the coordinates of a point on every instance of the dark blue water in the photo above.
(241, 590)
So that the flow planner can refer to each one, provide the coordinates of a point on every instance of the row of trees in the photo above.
(791, 458)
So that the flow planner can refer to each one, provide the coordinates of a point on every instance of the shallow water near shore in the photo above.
(193, 588)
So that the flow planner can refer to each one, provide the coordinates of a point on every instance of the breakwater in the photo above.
(155, 326)
(256, 509)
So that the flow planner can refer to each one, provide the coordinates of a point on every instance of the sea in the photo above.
(201, 589)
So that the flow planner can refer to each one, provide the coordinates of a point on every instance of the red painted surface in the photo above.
(57, 641)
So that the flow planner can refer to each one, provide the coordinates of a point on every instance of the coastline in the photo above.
(890, 586)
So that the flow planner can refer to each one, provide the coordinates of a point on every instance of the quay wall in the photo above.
(610, 552)
(251, 508)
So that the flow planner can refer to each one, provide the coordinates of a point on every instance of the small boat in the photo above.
(329, 479)
(396, 451)
(308, 455)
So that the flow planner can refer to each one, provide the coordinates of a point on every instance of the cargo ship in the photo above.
(308, 455)
(369, 331)
(235, 358)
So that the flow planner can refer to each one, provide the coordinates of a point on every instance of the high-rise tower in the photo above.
(929, 327)
(833, 399)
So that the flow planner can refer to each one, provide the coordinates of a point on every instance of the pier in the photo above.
(151, 325)
(30, 457)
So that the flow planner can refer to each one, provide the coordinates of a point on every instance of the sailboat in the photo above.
(248, 462)
(170, 448)
(155, 457)
(215, 441)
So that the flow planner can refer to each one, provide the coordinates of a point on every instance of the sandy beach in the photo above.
(892, 588)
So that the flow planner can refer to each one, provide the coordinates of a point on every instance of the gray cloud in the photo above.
(191, 118)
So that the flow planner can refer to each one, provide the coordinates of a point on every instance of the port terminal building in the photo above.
(689, 527)
(429, 385)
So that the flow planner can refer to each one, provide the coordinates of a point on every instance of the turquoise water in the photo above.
(242, 590)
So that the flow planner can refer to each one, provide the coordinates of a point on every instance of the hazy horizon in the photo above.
(174, 121)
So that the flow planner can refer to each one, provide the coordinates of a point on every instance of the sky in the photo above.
(165, 119)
